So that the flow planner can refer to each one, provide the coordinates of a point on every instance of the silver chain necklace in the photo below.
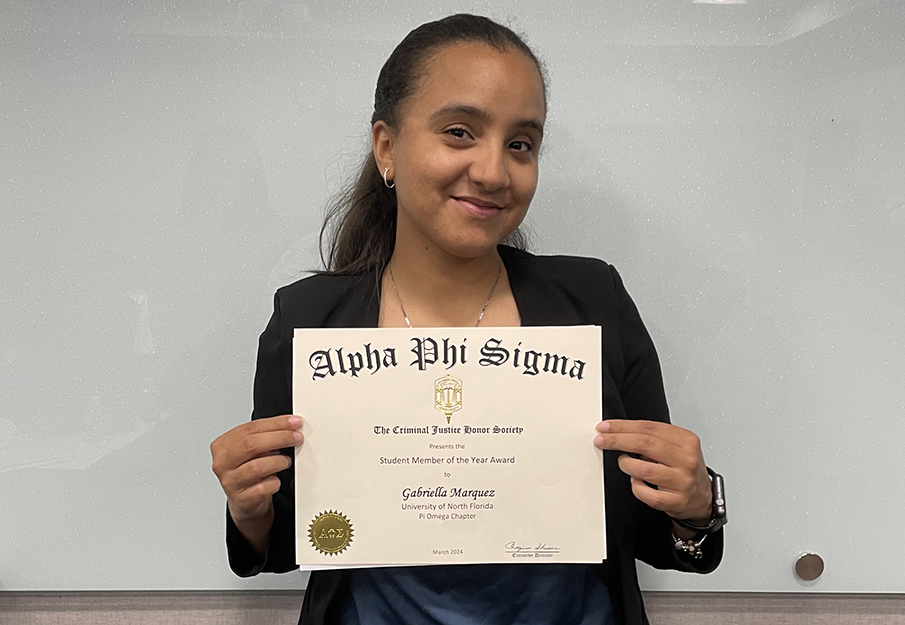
(481, 316)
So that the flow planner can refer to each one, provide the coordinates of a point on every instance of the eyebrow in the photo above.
(473, 111)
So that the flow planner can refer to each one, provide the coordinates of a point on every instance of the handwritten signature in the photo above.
(540, 548)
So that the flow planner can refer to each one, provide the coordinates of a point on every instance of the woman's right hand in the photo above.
(246, 460)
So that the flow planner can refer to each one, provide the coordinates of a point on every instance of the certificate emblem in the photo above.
(448, 395)
(330, 533)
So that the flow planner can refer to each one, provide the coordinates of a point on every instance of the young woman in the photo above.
(458, 123)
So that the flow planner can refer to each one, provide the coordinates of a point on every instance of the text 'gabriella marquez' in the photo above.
(428, 352)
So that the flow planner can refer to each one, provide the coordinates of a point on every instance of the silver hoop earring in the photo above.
(389, 184)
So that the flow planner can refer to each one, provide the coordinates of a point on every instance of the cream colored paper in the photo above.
(510, 476)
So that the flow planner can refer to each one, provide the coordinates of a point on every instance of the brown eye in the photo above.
(520, 146)
(459, 133)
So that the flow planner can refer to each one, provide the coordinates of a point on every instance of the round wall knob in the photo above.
(809, 567)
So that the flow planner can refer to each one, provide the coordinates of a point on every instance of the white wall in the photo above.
(164, 165)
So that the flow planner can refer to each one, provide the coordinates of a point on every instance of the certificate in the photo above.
(448, 446)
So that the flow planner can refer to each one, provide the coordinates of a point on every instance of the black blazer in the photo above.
(549, 290)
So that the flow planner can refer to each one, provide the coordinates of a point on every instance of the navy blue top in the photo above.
(486, 594)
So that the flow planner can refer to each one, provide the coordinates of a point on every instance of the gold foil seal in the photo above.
(330, 532)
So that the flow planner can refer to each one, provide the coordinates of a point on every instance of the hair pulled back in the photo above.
(359, 230)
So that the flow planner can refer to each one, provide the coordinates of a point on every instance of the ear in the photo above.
(383, 141)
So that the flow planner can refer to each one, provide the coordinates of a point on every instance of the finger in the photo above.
(253, 501)
(677, 504)
(651, 472)
(271, 424)
(258, 426)
(255, 471)
(660, 429)
(679, 493)
(257, 445)
(281, 422)
(650, 447)
(242, 450)
(669, 502)
(666, 431)
(659, 475)
(662, 442)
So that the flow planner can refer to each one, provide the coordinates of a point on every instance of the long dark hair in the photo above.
(359, 230)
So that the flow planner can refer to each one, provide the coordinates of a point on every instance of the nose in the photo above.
(490, 168)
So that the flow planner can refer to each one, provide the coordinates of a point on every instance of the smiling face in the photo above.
(464, 156)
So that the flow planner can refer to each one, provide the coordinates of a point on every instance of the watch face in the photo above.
(717, 487)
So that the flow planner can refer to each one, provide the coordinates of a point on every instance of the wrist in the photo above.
(689, 534)
(704, 519)
(684, 533)
(255, 529)
(700, 526)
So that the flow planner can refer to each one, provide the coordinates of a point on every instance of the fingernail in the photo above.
(603, 426)
(297, 436)
(598, 441)
(295, 420)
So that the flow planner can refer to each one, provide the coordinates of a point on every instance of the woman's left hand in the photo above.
(668, 457)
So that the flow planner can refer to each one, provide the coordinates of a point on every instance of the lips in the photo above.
(478, 207)
(479, 202)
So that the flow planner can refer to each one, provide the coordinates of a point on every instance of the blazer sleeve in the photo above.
(643, 397)
(272, 397)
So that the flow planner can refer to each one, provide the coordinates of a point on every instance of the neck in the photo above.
(440, 289)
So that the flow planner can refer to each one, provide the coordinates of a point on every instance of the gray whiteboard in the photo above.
(163, 168)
